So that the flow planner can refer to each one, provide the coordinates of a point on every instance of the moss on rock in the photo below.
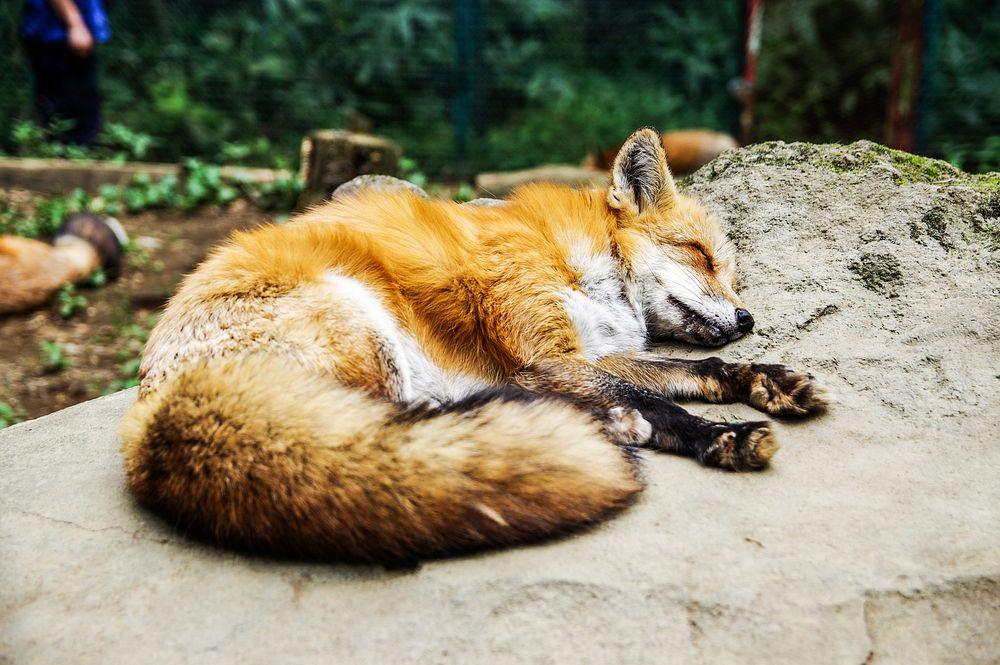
(860, 156)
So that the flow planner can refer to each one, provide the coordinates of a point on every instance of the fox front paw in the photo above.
(741, 447)
(627, 427)
(780, 390)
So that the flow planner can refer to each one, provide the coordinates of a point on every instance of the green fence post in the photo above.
(925, 96)
(468, 31)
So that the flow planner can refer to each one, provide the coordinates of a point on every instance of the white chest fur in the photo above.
(600, 309)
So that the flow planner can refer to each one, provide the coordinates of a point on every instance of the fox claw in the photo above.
(741, 447)
(780, 390)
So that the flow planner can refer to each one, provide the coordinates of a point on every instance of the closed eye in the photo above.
(708, 259)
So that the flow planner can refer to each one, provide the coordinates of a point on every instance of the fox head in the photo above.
(680, 266)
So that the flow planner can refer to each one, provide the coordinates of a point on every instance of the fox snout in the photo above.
(709, 321)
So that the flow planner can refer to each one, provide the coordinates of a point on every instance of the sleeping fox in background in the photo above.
(31, 271)
(687, 150)
(390, 378)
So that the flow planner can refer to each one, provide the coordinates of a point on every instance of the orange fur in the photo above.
(317, 388)
(31, 271)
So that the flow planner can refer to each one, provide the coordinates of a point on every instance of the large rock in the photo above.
(874, 537)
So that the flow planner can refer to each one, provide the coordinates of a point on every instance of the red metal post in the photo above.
(904, 86)
(746, 91)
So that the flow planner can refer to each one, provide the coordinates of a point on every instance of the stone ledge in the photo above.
(872, 538)
(59, 176)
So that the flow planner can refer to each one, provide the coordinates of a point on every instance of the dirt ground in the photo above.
(100, 343)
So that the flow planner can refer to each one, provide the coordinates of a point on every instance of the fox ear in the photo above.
(640, 179)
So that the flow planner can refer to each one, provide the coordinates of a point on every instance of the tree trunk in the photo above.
(330, 158)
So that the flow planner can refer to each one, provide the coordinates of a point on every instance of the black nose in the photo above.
(744, 321)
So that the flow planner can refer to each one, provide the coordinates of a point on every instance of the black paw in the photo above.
(780, 390)
(740, 447)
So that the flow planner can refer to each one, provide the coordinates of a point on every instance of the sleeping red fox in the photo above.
(389, 378)
(31, 270)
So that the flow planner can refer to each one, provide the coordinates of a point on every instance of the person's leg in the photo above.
(65, 87)
(83, 101)
(44, 61)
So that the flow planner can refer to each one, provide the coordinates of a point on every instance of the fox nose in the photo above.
(744, 321)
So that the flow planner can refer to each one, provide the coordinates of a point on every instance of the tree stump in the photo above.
(331, 158)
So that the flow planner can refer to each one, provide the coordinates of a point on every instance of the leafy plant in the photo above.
(97, 279)
(9, 415)
(409, 170)
(464, 193)
(278, 194)
(69, 301)
(200, 184)
(117, 142)
(132, 340)
(53, 356)
(841, 95)
(140, 258)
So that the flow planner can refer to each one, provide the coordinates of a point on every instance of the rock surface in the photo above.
(873, 538)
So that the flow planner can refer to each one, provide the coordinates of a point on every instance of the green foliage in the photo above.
(9, 415)
(464, 193)
(411, 172)
(279, 194)
(117, 142)
(37, 141)
(11, 223)
(97, 279)
(567, 118)
(69, 301)
(204, 185)
(965, 88)
(53, 356)
(44, 219)
(825, 66)
(131, 339)
(242, 81)
(140, 258)
(824, 70)
(200, 184)
(255, 151)
(560, 102)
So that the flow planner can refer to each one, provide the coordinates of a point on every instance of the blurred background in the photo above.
(467, 85)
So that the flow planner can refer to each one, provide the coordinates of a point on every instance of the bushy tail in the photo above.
(105, 234)
(253, 453)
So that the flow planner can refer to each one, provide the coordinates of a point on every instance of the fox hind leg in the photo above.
(739, 446)
(734, 446)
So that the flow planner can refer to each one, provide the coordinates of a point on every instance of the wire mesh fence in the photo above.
(467, 85)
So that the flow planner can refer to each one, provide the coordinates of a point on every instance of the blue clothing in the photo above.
(41, 23)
